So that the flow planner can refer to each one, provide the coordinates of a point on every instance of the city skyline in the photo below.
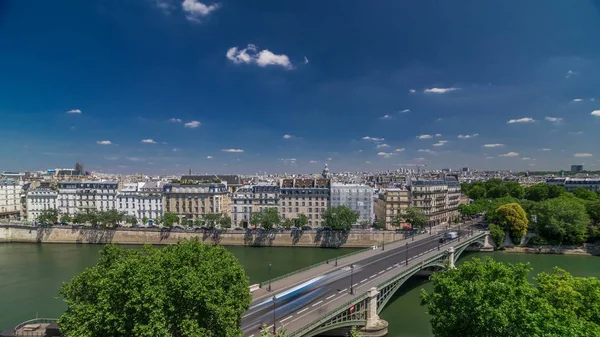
(160, 86)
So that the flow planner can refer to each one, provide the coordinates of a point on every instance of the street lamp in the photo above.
(351, 279)
(269, 277)
(274, 320)
(406, 253)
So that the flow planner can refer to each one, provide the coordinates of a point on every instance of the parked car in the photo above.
(238, 229)
(178, 228)
(307, 228)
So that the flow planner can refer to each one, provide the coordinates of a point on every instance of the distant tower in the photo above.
(79, 169)
(326, 173)
(190, 171)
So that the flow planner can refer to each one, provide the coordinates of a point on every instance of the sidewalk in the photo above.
(306, 275)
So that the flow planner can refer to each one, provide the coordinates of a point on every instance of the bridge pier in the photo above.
(375, 327)
(487, 246)
(451, 258)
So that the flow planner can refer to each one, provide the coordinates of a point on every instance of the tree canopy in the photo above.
(267, 218)
(48, 216)
(485, 298)
(340, 218)
(562, 220)
(537, 192)
(498, 191)
(515, 189)
(413, 216)
(513, 219)
(187, 289)
(169, 219)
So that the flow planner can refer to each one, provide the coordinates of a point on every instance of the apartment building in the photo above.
(39, 200)
(85, 196)
(389, 204)
(10, 199)
(592, 184)
(141, 200)
(437, 198)
(356, 197)
(195, 200)
(233, 181)
(249, 199)
(304, 196)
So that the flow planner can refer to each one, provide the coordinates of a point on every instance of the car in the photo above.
(177, 228)
(280, 228)
(307, 228)
(238, 229)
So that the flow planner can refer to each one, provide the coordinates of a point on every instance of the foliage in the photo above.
(266, 332)
(48, 216)
(158, 221)
(144, 220)
(513, 219)
(470, 209)
(267, 218)
(499, 191)
(169, 219)
(497, 234)
(211, 220)
(413, 216)
(131, 220)
(492, 183)
(66, 218)
(301, 220)
(476, 192)
(340, 218)
(187, 289)
(555, 191)
(515, 189)
(364, 224)
(537, 192)
(485, 298)
(585, 194)
(255, 219)
(378, 225)
(185, 222)
(225, 221)
(288, 223)
(593, 210)
(354, 332)
(491, 206)
(80, 218)
(562, 220)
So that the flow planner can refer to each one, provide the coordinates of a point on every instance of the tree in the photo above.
(476, 192)
(185, 222)
(340, 218)
(562, 220)
(169, 219)
(144, 220)
(555, 191)
(80, 218)
(186, 289)
(65, 218)
(492, 205)
(301, 220)
(497, 234)
(593, 211)
(131, 220)
(364, 224)
(288, 223)
(470, 209)
(48, 216)
(485, 298)
(492, 183)
(414, 217)
(515, 189)
(225, 221)
(266, 332)
(211, 220)
(255, 219)
(158, 221)
(537, 192)
(513, 219)
(269, 218)
(498, 191)
(585, 194)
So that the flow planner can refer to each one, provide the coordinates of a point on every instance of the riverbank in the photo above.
(587, 249)
(323, 239)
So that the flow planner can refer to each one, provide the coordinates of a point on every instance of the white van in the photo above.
(451, 235)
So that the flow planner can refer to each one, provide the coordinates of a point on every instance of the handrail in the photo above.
(34, 321)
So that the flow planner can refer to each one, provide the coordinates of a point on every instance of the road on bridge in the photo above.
(307, 302)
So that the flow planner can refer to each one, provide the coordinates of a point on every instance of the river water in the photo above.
(31, 274)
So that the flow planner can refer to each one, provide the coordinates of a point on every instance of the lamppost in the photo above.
(274, 320)
(351, 279)
(269, 277)
(336, 261)
(383, 245)
(406, 253)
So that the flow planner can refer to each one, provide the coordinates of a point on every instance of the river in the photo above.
(31, 274)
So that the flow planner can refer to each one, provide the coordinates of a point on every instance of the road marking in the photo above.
(269, 327)
(397, 265)
(355, 285)
(341, 291)
(330, 296)
(285, 319)
(381, 272)
(301, 311)
(317, 303)
(388, 268)
(372, 276)
(363, 280)
(251, 336)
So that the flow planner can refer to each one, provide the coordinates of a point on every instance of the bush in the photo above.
(497, 234)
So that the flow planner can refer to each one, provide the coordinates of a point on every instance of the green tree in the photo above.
(211, 220)
(131, 220)
(158, 221)
(593, 211)
(187, 289)
(80, 218)
(562, 220)
(144, 220)
(340, 218)
(269, 218)
(66, 218)
(225, 221)
(470, 209)
(515, 189)
(288, 223)
(48, 216)
(266, 332)
(477, 192)
(485, 298)
(414, 217)
(491, 206)
(255, 219)
(498, 191)
(492, 183)
(301, 220)
(185, 222)
(585, 194)
(169, 219)
(513, 219)
(537, 192)
(555, 191)
(497, 234)
(364, 224)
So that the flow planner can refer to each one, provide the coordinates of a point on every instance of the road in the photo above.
(329, 287)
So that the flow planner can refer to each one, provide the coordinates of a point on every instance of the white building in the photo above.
(10, 199)
(249, 199)
(38, 200)
(141, 200)
(75, 197)
(356, 197)
(592, 184)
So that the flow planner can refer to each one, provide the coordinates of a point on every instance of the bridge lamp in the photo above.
(274, 320)
(351, 279)
(270, 279)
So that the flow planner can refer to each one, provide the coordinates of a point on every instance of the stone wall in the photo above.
(16, 233)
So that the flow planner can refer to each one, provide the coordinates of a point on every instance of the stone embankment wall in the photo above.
(585, 249)
(17, 233)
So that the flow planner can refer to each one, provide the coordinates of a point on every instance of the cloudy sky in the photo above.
(239, 86)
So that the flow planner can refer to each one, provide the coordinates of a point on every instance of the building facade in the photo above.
(576, 168)
(389, 204)
(438, 199)
(10, 199)
(592, 184)
(86, 196)
(141, 200)
(249, 199)
(39, 200)
(356, 197)
(194, 201)
(305, 196)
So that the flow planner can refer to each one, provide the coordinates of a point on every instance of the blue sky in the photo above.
(159, 86)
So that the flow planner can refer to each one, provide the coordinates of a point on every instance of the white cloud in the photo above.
(399, 150)
(381, 146)
(420, 159)
(195, 10)
(493, 145)
(439, 90)
(192, 124)
(104, 142)
(570, 73)
(412, 91)
(596, 113)
(526, 158)
(330, 159)
(175, 149)
(576, 133)
(510, 154)
(373, 139)
(175, 120)
(545, 149)
(521, 120)
(425, 136)
(580, 155)
(576, 100)
(233, 150)
(385, 154)
(148, 141)
(367, 162)
(74, 111)
(468, 136)
(288, 161)
(438, 134)
(262, 58)
(386, 117)
(288, 136)
(553, 119)
(135, 159)
(440, 143)
(428, 151)
(405, 110)
(313, 162)
(489, 157)
(305, 60)
(209, 157)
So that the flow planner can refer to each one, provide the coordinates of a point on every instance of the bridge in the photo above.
(339, 297)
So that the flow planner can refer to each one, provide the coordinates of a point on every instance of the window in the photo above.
(296, 203)
(310, 203)
(322, 203)
(303, 203)
(297, 210)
